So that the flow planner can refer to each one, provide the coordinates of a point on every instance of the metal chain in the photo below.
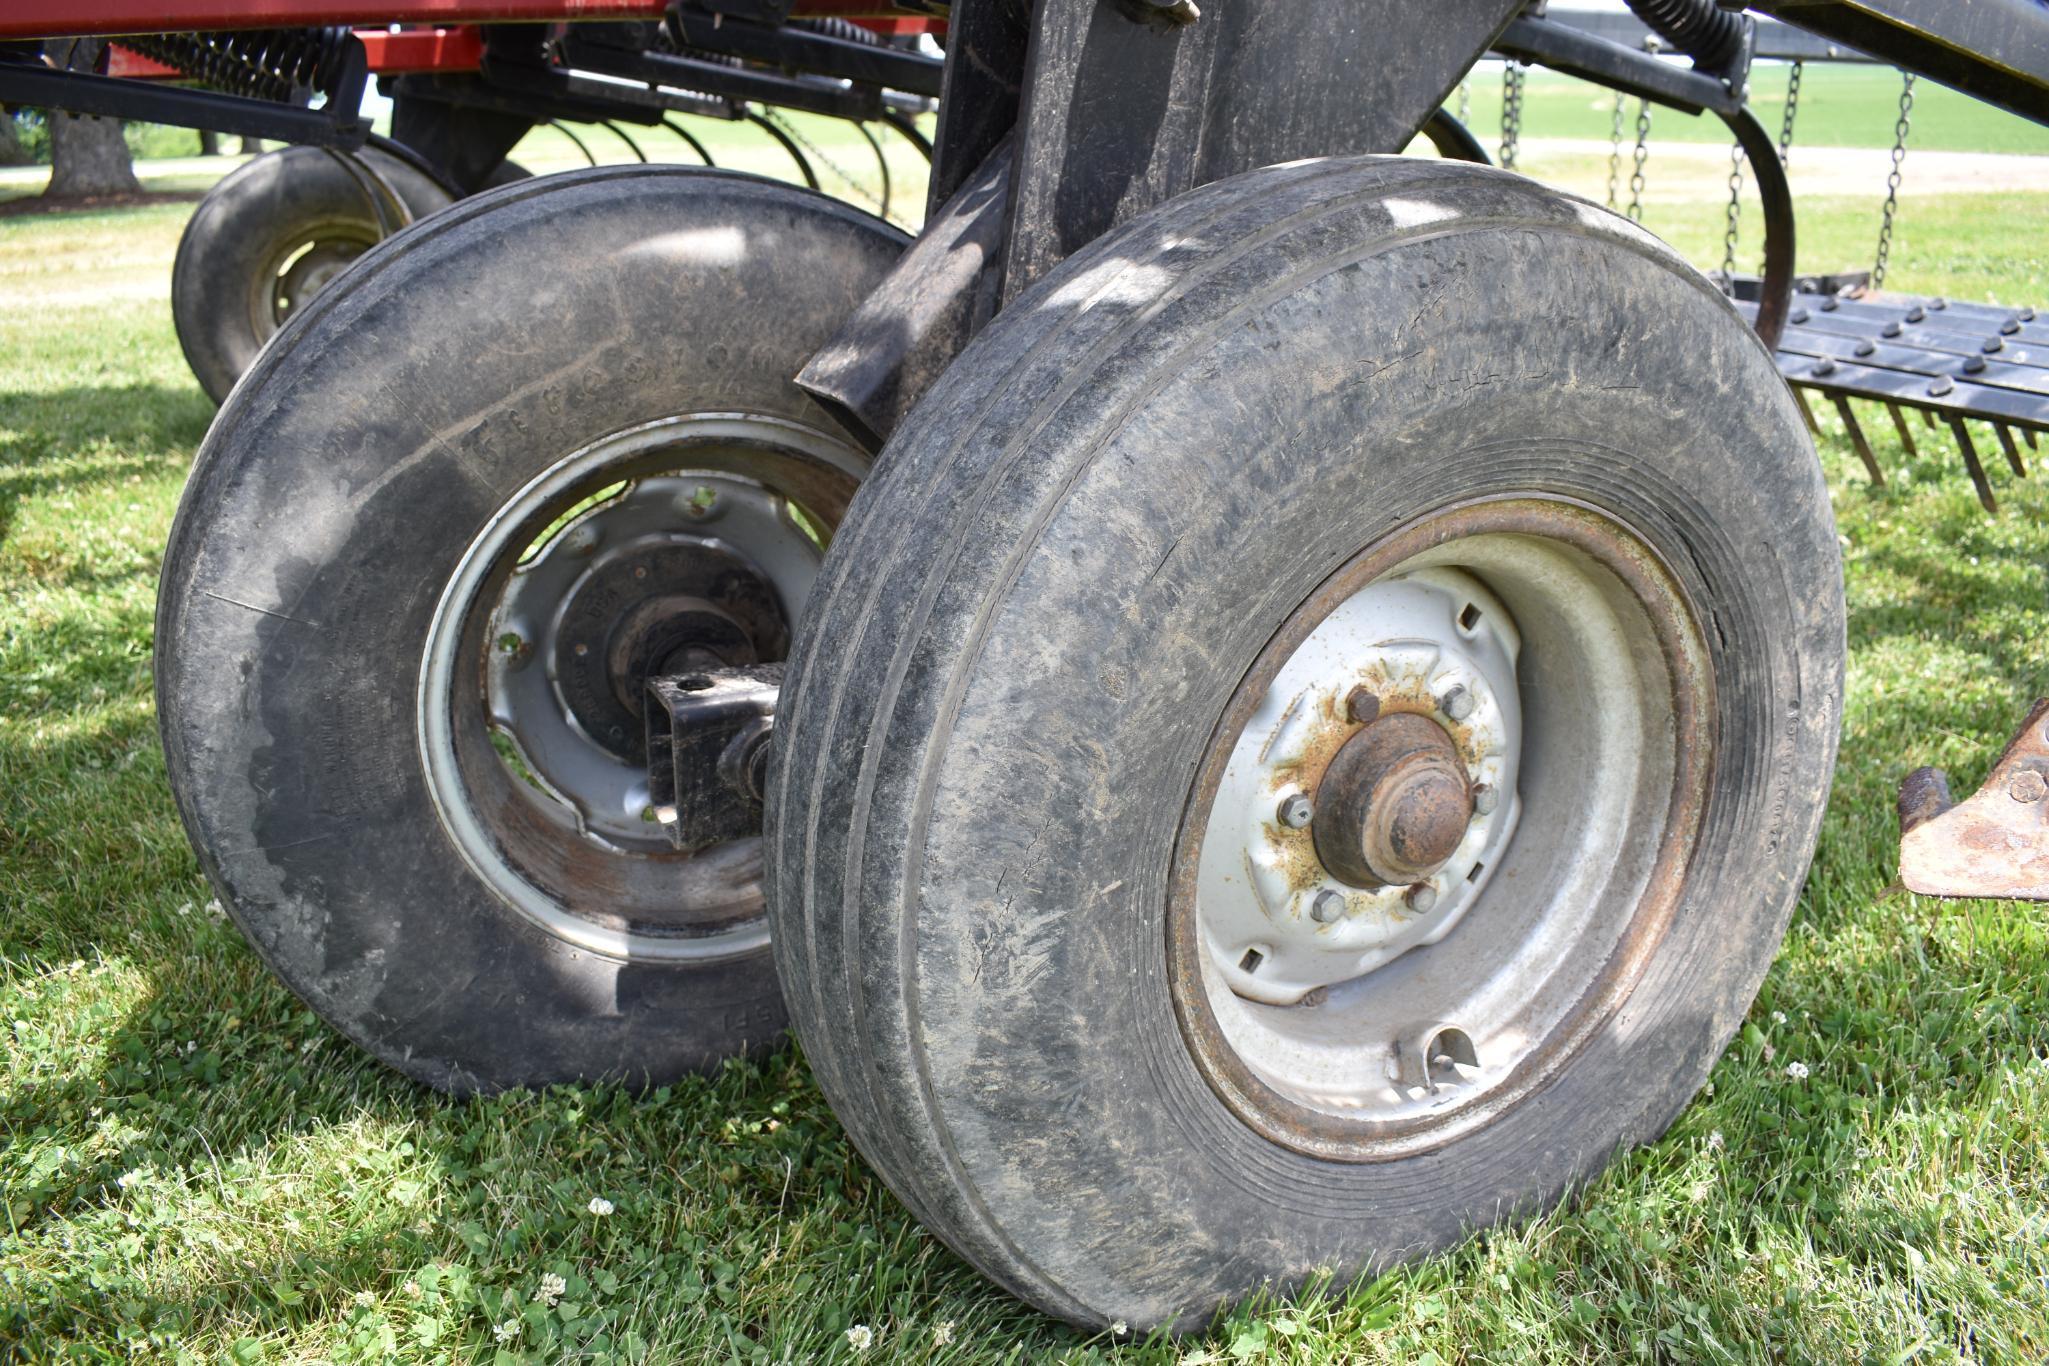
(1892, 180)
(1792, 106)
(1735, 216)
(1643, 152)
(1615, 154)
(853, 182)
(1465, 103)
(1511, 113)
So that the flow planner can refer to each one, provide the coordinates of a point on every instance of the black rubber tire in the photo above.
(1037, 610)
(228, 257)
(327, 508)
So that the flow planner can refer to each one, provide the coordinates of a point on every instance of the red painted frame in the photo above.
(70, 18)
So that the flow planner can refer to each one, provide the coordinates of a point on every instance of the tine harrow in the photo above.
(1947, 360)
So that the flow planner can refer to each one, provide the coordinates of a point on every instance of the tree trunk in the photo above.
(209, 143)
(10, 141)
(88, 156)
(251, 146)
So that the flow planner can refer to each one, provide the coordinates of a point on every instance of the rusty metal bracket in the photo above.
(1993, 844)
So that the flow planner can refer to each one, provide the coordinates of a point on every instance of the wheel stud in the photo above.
(1363, 705)
(1296, 811)
(1456, 703)
(1327, 907)
(1485, 799)
(1421, 897)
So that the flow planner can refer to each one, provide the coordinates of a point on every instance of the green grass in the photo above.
(1840, 106)
(193, 1167)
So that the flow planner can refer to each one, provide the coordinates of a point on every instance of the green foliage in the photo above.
(194, 1168)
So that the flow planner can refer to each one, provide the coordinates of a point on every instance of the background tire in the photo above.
(329, 508)
(1033, 623)
(264, 241)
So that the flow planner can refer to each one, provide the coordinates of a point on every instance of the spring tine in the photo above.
(2029, 433)
(1813, 428)
(2013, 452)
(1899, 422)
(1963, 438)
(1857, 439)
(1928, 416)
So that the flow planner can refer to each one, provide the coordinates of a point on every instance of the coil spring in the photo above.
(846, 30)
(1712, 36)
(273, 64)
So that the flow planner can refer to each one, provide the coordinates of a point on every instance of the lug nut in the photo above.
(1327, 907)
(1456, 703)
(1421, 897)
(1362, 705)
(1485, 799)
(2029, 786)
(1296, 811)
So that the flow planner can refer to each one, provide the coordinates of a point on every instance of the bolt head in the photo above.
(1327, 907)
(1485, 799)
(1456, 703)
(1296, 811)
(1421, 897)
(1362, 705)
(2028, 786)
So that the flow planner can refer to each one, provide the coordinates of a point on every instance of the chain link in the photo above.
(1511, 113)
(1615, 154)
(854, 183)
(1465, 103)
(1643, 152)
(1892, 180)
(1792, 106)
(1735, 216)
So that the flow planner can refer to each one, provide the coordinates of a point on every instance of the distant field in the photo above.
(1840, 106)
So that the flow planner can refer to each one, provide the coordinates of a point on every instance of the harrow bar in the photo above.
(1947, 360)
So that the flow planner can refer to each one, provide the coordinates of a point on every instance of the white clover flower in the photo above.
(599, 1206)
(551, 1289)
(1699, 1193)
(1119, 1328)
(506, 1331)
(365, 1300)
(214, 911)
(942, 1334)
(412, 1289)
(1797, 1071)
(1778, 1017)
(129, 1180)
(860, 1337)
(1715, 1143)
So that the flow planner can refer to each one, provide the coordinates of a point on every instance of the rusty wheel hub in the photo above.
(1394, 804)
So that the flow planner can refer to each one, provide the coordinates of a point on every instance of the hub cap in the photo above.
(1396, 852)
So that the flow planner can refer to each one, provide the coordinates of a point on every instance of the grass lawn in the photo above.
(193, 1167)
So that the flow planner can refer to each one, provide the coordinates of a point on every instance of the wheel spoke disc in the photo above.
(689, 543)
(1566, 673)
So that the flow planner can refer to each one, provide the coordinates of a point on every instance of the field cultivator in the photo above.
(1257, 703)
